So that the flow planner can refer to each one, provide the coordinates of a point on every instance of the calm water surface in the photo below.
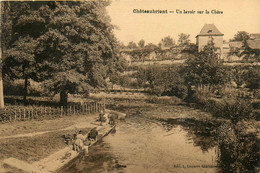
(142, 145)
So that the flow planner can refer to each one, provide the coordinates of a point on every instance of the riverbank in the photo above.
(172, 110)
(32, 141)
(46, 151)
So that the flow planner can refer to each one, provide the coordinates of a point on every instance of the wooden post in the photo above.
(28, 117)
(14, 114)
(19, 113)
(24, 113)
(70, 110)
(61, 109)
(10, 116)
(5, 113)
(36, 113)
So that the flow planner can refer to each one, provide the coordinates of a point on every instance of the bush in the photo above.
(234, 106)
(239, 151)
(235, 109)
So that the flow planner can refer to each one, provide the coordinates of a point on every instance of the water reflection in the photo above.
(238, 149)
(142, 145)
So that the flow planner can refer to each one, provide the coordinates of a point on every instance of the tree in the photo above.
(131, 45)
(1, 49)
(22, 27)
(141, 43)
(167, 42)
(183, 39)
(247, 53)
(241, 36)
(205, 68)
(117, 66)
(77, 47)
(69, 46)
(251, 77)
(21, 62)
(238, 75)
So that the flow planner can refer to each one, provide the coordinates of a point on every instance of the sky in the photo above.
(238, 15)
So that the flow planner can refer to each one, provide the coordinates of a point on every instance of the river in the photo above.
(142, 145)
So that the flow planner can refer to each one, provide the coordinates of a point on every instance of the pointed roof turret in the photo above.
(208, 30)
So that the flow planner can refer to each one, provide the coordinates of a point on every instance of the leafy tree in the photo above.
(131, 45)
(23, 25)
(251, 77)
(22, 61)
(190, 49)
(241, 36)
(238, 75)
(248, 53)
(162, 80)
(183, 39)
(167, 42)
(141, 77)
(77, 48)
(141, 43)
(70, 45)
(205, 68)
(118, 66)
(141, 54)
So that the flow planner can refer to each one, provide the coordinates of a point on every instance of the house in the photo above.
(253, 43)
(210, 32)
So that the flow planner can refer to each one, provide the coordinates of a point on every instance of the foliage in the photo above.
(241, 36)
(141, 43)
(162, 80)
(166, 42)
(204, 68)
(239, 151)
(16, 88)
(131, 45)
(251, 77)
(248, 53)
(183, 39)
(70, 44)
(23, 25)
(245, 76)
(238, 75)
(235, 106)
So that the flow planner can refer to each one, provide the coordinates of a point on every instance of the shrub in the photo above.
(236, 109)
(239, 151)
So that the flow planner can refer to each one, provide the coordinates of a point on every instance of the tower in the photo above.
(208, 33)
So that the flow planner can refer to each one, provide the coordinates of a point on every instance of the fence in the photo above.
(10, 113)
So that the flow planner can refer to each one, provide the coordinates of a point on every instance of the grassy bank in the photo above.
(33, 126)
(38, 146)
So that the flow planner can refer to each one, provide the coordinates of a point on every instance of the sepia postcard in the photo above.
(130, 86)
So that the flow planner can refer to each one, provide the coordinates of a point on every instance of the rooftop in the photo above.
(255, 36)
(209, 30)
